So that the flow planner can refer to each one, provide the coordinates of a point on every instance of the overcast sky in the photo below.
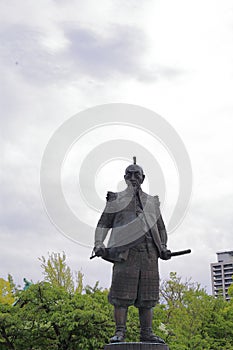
(59, 58)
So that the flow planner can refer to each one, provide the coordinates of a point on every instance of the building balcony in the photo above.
(218, 267)
(229, 273)
(228, 266)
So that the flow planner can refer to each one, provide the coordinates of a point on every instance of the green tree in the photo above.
(57, 272)
(49, 317)
(230, 290)
(79, 282)
(6, 295)
(61, 313)
(193, 319)
(14, 288)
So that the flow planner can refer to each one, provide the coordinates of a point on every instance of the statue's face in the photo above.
(134, 176)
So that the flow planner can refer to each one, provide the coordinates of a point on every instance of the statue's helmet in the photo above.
(134, 167)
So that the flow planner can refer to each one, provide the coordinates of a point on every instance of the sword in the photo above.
(180, 252)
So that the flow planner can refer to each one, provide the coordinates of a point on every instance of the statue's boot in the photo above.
(120, 315)
(146, 335)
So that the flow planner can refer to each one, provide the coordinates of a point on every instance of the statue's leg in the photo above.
(146, 335)
(120, 315)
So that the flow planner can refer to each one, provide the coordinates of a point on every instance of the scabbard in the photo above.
(181, 252)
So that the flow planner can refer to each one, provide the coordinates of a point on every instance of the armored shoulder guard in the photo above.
(157, 202)
(111, 196)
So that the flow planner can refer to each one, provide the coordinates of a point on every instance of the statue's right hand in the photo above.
(99, 250)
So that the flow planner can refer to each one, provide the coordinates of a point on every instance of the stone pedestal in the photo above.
(136, 346)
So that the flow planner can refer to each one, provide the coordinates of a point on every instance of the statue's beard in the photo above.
(135, 185)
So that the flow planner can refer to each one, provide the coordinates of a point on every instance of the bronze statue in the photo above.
(27, 284)
(138, 238)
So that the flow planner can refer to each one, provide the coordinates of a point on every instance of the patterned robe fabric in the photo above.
(137, 237)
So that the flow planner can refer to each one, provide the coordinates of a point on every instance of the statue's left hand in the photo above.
(165, 254)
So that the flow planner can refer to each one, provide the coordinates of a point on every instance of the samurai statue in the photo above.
(138, 238)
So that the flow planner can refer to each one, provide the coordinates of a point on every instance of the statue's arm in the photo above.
(162, 231)
(100, 235)
(165, 253)
(105, 222)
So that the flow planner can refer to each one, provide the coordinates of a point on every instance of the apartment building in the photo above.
(222, 274)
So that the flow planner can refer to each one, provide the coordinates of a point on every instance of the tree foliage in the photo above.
(57, 272)
(193, 319)
(6, 295)
(60, 313)
(48, 317)
(230, 290)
